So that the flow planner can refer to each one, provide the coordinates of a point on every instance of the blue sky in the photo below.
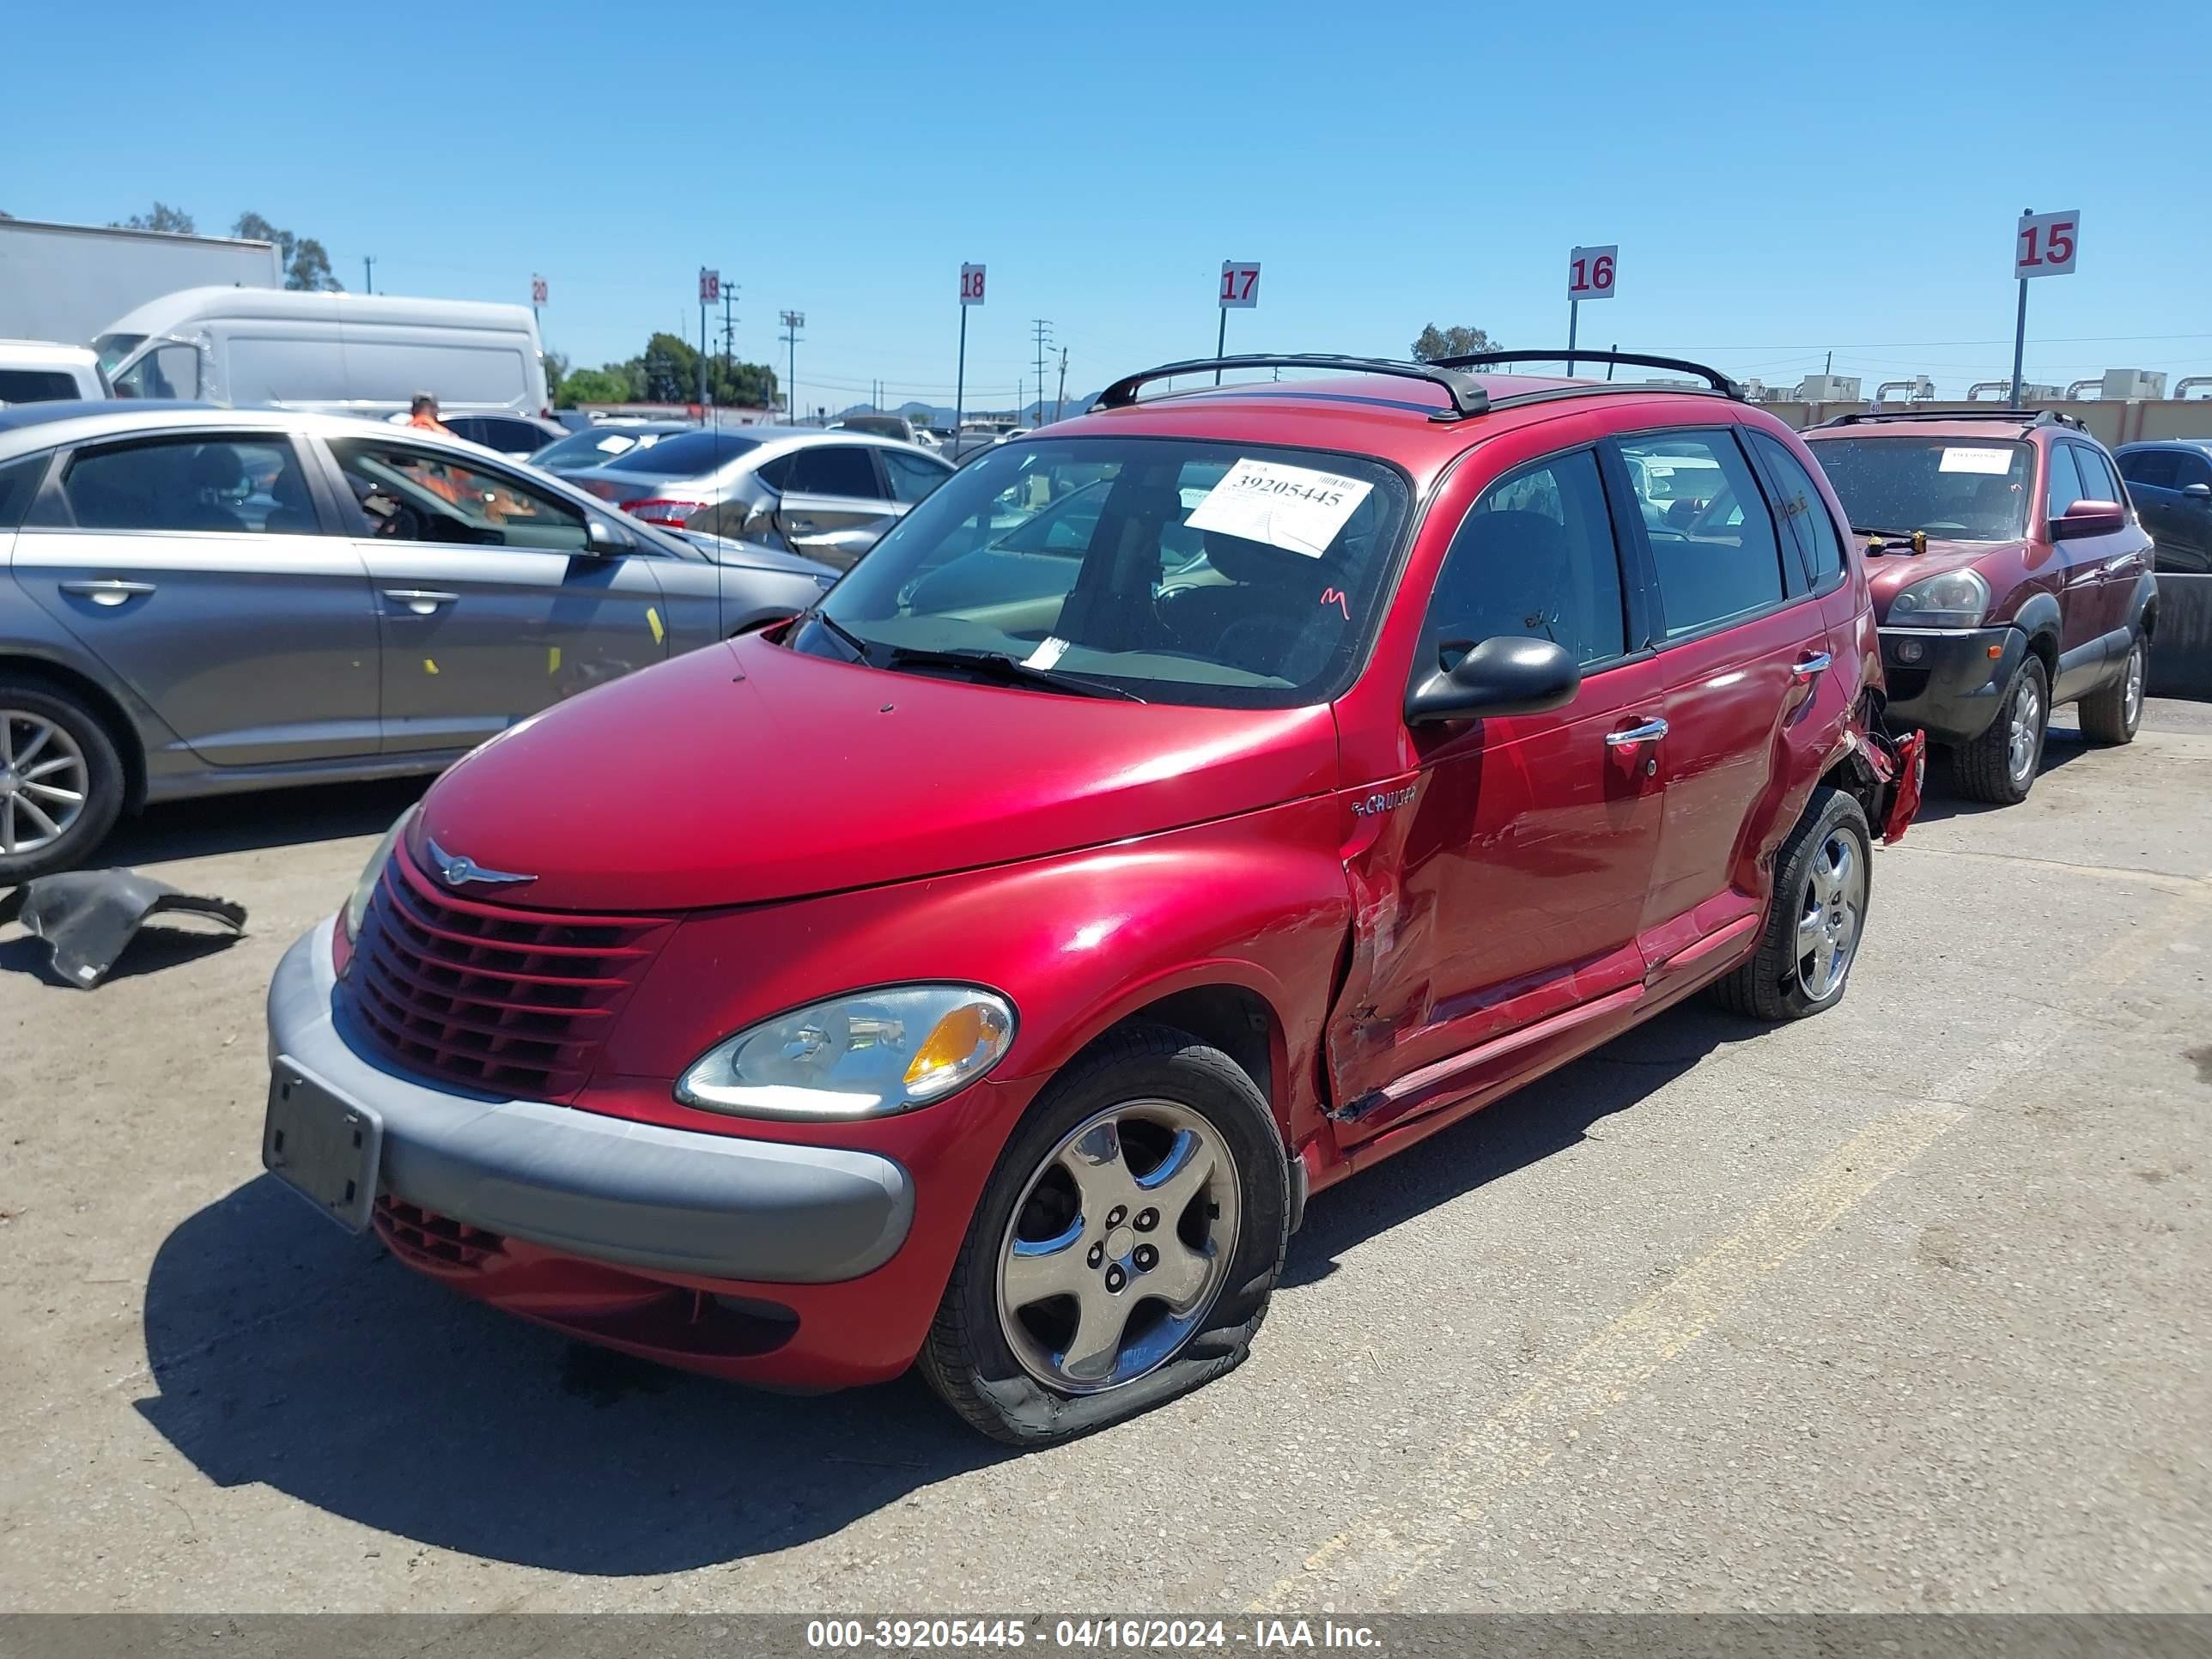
(1781, 180)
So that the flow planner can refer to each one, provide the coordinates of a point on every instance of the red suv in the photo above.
(1180, 810)
(2009, 574)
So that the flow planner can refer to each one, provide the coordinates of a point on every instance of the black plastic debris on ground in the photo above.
(90, 917)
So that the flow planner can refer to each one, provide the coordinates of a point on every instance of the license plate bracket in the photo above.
(326, 1148)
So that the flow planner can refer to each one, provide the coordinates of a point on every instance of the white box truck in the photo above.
(67, 283)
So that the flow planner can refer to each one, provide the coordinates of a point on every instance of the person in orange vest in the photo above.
(424, 414)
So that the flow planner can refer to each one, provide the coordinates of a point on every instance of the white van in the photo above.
(356, 354)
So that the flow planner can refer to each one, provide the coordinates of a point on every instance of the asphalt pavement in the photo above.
(1904, 1308)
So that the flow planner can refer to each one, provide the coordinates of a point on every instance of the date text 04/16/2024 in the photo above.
(1125, 1634)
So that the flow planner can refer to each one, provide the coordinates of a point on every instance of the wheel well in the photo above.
(2150, 618)
(2045, 646)
(120, 731)
(1229, 1018)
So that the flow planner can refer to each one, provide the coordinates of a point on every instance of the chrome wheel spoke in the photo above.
(50, 793)
(8, 841)
(1811, 930)
(1101, 1176)
(46, 769)
(1180, 1174)
(1184, 1276)
(1035, 1271)
(40, 732)
(1101, 1317)
(31, 810)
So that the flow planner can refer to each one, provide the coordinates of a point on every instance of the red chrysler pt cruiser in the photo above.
(1182, 808)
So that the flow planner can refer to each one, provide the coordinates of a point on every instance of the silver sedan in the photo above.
(195, 600)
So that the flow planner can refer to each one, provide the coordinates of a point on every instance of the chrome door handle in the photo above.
(1647, 732)
(109, 592)
(802, 526)
(1812, 668)
(422, 601)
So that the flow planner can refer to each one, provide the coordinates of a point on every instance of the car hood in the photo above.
(1890, 573)
(747, 772)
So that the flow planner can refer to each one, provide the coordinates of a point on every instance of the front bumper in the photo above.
(602, 1189)
(1948, 681)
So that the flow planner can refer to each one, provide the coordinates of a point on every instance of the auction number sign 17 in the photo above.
(1240, 285)
(2047, 244)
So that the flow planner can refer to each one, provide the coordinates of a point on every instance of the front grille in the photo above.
(510, 1001)
(434, 1240)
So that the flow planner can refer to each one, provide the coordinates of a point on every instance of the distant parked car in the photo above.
(40, 371)
(595, 446)
(883, 426)
(195, 600)
(2170, 480)
(826, 495)
(520, 436)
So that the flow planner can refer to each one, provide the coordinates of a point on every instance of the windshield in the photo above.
(1970, 490)
(594, 446)
(685, 455)
(113, 348)
(1229, 576)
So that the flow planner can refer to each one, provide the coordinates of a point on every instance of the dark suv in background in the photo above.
(2009, 576)
(2170, 481)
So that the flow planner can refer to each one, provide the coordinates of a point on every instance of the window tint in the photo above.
(1534, 556)
(835, 470)
(2157, 468)
(2065, 488)
(509, 437)
(2190, 469)
(19, 481)
(684, 455)
(1802, 510)
(36, 386)
(2098, 483)
(1712, 542)
(913, 476)
(250, 485)
(169, 371)
(420, 495)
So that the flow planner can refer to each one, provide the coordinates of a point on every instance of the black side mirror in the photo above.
(1508, 675)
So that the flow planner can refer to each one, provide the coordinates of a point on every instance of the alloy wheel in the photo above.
(44, 781)
(2131, 703)
(2025, 734)
(1828, 914)
(1118, 1246)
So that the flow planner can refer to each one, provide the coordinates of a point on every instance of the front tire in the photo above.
(1125, 1250)
(1822, 879)
(1999, 767)
(61, 780)
(2113, 715)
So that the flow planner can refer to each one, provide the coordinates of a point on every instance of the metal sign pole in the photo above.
(702, 352)
(1574, 322)
(1221, 345)
(960, 381)
(2019, 331)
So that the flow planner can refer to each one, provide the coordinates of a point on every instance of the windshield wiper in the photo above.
(1887, 535)
(858, 645)
(1010, 669)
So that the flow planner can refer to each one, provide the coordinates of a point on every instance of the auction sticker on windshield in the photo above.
(1294, 508)
(1997, 462)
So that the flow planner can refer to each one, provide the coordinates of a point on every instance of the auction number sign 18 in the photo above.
(1590, 271)
(2047, 244)
(1240, 285)
(971, 285)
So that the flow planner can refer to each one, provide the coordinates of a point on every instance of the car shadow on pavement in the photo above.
(275, 817)
(1544, 1117)
(288, 1354)
(1944, 799)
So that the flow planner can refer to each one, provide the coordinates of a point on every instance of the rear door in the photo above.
(491, 601)
(834, 501)
(2190, 515)
(1744, 652)
(2153, 480)
(194, 566)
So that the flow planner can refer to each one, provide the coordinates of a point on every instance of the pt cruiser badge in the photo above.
(1383, 803)
(459, 872)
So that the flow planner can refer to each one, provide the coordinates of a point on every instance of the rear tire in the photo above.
(61, 780)
(1823, 876)
(2113, 715)
(1221, 1248)
(1999, 767)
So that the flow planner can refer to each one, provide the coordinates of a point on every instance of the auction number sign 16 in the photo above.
(1590, 271)
(2046, 245)
(1240, 285)
(971, 285)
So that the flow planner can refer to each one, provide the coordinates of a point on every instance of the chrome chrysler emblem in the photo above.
(457, 871)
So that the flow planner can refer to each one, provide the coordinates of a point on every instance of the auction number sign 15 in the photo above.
(2046, 245)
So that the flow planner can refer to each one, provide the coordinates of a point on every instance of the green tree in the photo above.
(671, 371)
(609, 385)
(175, 221)
(305, 263)
(556, 370)
(1455, 341)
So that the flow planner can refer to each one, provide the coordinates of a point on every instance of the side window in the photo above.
(169, 371)
(835, 470)
(1534, 556)
(421, 495)
(1713, 544)
(36, 386)
(249, 485)
(913, 476)
(2159, 468)
(1804, 510)
(2190, 469)
(2098, 483)
(2065, 488)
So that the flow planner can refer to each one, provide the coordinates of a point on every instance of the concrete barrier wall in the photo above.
(2111, 423)
(2181, 655)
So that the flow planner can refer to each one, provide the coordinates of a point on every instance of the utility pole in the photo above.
(1041, 328)
(1062, 398)
(793, 322)
(368, 273)
(729, 326)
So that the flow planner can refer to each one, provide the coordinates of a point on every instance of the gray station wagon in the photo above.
(195, 600)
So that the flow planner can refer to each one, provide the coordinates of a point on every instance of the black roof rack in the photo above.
(1711, 377)
(2025, 417)
(1466, 392)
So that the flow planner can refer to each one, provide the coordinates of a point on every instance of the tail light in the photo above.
(661, 510)
(602, 488)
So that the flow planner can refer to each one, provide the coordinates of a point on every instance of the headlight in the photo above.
(365, 888)
(868, 1054)
(1957, 598)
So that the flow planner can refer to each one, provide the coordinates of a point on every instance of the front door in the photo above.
(833, 503)
(492, 601)
(194, 566)
(1514, 878)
